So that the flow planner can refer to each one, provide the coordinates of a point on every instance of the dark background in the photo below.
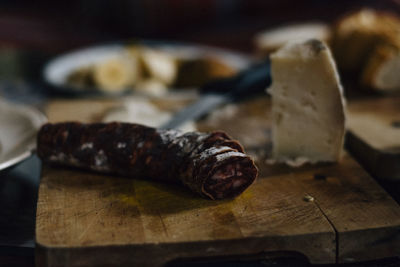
(56, 26)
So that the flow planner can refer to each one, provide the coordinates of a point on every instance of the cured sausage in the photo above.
(210, 164)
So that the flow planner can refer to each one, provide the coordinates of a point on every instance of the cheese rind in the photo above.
(272, 39)
(308, 106)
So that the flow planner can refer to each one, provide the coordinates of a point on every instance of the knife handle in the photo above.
(247, 83)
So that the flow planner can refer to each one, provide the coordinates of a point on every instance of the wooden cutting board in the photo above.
(374, 136)
(328, 213)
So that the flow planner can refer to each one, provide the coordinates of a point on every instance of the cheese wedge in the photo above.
(308, 106)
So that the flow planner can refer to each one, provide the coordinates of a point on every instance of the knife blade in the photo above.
(247, 83)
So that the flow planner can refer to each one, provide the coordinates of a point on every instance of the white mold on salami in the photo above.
(121, 145)
(101, 162)
(58, 157)
(61, 157)
(168, 135)
(229, 154)
(214, 150)
(140, 144)
(185, 143)
(100, 159)
(86, 146)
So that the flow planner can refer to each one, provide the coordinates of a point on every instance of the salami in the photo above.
(210, 164)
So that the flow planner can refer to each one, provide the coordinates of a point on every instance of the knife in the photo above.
(247, 83)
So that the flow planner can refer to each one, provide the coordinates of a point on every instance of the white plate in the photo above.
(56, 71)
(18, 129)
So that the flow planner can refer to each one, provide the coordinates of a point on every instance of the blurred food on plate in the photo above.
(146, 111)
(149, 70)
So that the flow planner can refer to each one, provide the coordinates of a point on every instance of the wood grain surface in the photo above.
(327, 212)
(374, 135)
